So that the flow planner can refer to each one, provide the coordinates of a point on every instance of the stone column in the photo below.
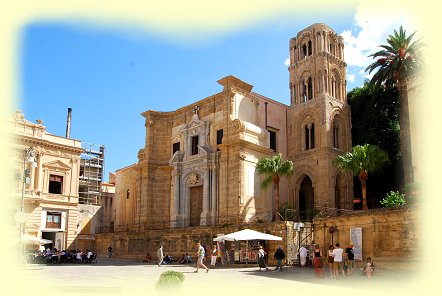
(214, 191)
(184, 216)
(206, 196)
(176, 195)
(39, 172)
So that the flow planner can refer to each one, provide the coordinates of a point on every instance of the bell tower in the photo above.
(319, 126)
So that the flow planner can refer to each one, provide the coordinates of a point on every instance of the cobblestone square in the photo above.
(126, 277)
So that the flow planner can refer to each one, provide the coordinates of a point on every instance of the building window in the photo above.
(127, 194)
(219, 137)
(312, 136)
(53, 220)
(194, 142)
(175, 147)
(309, 136)
(335, 137)
(55, 184)
(272, 140)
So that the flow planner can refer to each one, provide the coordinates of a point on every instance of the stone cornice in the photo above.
(46, 144)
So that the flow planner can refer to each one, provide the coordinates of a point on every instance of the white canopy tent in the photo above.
(36, 240)
(246, 235)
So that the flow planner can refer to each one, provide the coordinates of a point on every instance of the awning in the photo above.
(35, 240)
(247, 234)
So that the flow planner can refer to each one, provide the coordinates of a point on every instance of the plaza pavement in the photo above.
(121, 277)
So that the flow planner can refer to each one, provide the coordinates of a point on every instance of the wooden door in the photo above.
(196, 205)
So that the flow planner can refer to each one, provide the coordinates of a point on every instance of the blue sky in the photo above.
(109, 75)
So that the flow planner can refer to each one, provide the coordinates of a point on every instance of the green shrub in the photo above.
(170, 279)
(393, 199)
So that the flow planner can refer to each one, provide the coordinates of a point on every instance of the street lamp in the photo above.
(28, 158)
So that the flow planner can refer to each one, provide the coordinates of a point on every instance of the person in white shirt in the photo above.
(200, 255)
(303, 252)
(89, 256)
(338, 261)
(160, 255)
(79, 256)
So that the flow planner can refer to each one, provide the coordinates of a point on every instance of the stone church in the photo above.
(197, 167)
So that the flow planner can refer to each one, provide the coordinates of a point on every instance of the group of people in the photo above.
(62, 256)
(186, 259)
(201, 255)
(279, 256)
(339, 261)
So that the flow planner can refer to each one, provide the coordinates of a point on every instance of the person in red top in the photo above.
(317, 262)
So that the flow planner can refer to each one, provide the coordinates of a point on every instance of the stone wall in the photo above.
(386, 233)
(135, 245)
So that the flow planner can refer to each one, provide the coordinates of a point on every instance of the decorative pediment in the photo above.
(57, 165)
(194, 124)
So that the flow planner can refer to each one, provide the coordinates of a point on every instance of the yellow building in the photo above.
(198, 164)
(45, 190)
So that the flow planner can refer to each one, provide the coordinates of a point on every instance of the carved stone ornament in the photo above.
(18, 115)
(140, 154)
(237, 125)
(193, 179)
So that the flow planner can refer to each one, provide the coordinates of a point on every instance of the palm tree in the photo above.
(396, 63)
(273, 167)
(361, 161)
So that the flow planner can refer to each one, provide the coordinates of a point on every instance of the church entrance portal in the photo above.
(306, 199)
(196, 205)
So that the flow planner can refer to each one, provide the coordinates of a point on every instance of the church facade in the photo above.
(197, 167)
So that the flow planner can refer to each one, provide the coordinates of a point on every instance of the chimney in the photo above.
(68, 124)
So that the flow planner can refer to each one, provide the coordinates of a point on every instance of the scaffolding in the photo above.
(91, 174)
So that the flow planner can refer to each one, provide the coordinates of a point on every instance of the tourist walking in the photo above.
(109, 251)
(160, 255)
(303, 252)
(213, 255)
(351, 258)
(338, 261)
(330, 260)
(200, 255)
(262, 258)
(317, 262)
(279, 255)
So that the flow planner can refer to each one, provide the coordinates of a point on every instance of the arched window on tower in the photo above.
(307, 137)
(312, 136)
(304, 91)
(310, 48)
(335, 136)
(309, 133)
(310, 89)
(333, 86)
(304, 51)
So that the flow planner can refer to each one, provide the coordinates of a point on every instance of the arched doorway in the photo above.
(306, 199)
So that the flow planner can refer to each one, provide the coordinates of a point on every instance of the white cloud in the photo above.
(351, 78)
(287, 62)
(372, 28)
